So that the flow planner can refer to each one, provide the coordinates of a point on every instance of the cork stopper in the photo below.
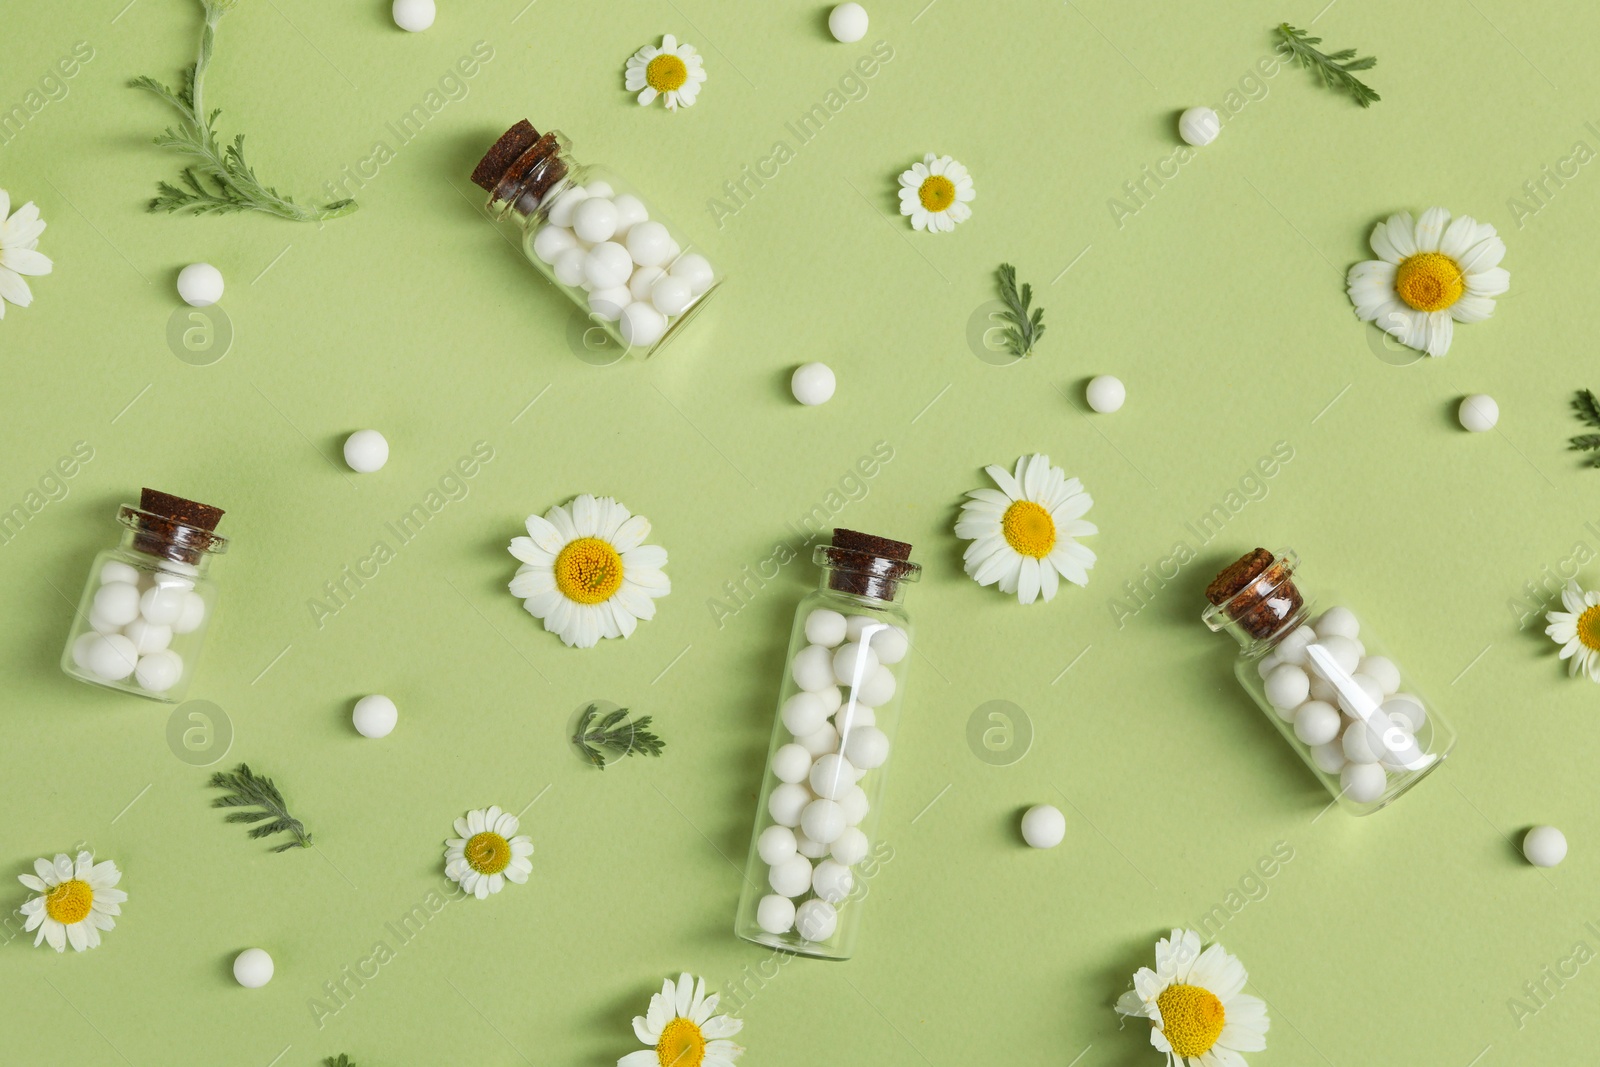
(866, 565)
(178, 509)
(1257, 592)
(504, 152)
(174, 527)
(521, 167)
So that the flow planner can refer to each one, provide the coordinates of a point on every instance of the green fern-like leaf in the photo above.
(246, 789)
(219, 180)
(1333, 69)
(613, 738)
(1026, 327)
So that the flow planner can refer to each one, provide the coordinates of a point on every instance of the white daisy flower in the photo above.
(1024, 534)
(75, 901)
(1577, 631)
(1429, 276)
(682, 1029)
(487, 853)
(19, 241)
(935, 193)
(1194, 1000)
(587, 572)
(674, 71)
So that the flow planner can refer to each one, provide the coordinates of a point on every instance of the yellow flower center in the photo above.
(1429, 281)
(666, 72)
(681, 1045)
(937, 193)
(69, 902)
(1589, 628)
(488, 853)
(1191, 1019)
(1029, 529)
(588, 570)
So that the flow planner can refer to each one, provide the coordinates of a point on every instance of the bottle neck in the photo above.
(182, 547)
(1252, 645)
(871, 579)
(533, 180)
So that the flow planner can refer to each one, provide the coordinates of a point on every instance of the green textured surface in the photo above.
(1400, 938)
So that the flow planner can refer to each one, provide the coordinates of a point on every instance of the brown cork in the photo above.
(515, 141)
(176, 528)
(522, 166)
(867, 565)
(1258, 591)
(188, 512)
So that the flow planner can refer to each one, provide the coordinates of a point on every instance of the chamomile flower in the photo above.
(674, 71)
(587, 572)
(682, 1029)
(19, 255)
(487, 852)
(1194, 1001)
(1024, 534)
(1577, 631)
(75, 902)
(1429, 275)
(935, 193)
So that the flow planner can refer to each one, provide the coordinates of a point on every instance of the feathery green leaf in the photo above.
(246, 789)
(612, 738)
(1026, 328)
(219, 181)
(1332, 68)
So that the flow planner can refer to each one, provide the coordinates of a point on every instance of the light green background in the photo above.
(1398, 938)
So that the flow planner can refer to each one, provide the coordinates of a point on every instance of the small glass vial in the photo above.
(1327, 684)
(144, 612)
(815, 840)
(591, 234)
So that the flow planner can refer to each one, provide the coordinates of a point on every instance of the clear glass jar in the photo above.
(1327, 684)
(815, 839)
(144, 612)
(637, 278)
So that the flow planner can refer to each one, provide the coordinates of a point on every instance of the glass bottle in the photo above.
(814, 846)
(1327, 684)
(637, 278)
(144, 612)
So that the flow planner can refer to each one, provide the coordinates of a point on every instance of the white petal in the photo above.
(1457, 237)
(1008, 485)
(630, 534)
(1485, 255)
(1489, 282)
(531, 583)
(1430, 229)
(652, 556)
(1028, 581)
(1572, 597)
(1400, 233)
(1381, 245)
(545, 535)
(1048, 581)
(14, 289)
(26, 261)
(1440, 329)
(524, 549)
(1472, 308)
